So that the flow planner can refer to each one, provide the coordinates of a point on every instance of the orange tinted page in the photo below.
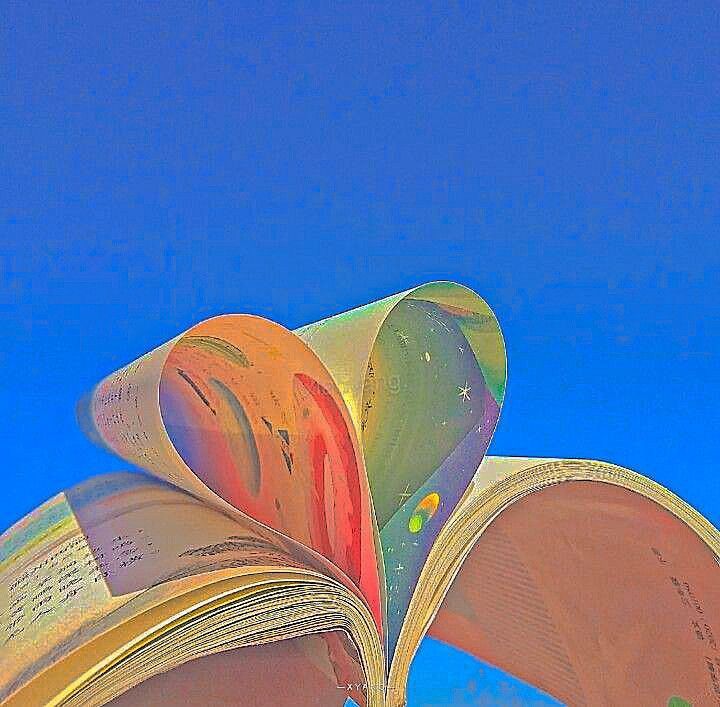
(594, 594)
(238, 411)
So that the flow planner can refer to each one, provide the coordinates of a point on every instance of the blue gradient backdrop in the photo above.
(163, 162)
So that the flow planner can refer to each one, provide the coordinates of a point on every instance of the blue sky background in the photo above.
(163, 162)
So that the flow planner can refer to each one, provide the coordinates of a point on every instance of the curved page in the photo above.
(595, 594)
(423, 374)
(238, 411)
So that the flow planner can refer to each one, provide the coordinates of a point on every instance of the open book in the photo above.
(316, 501)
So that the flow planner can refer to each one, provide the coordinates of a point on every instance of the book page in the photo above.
(116, 540)
(239, 412)
(423, 374)
(596, 595)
